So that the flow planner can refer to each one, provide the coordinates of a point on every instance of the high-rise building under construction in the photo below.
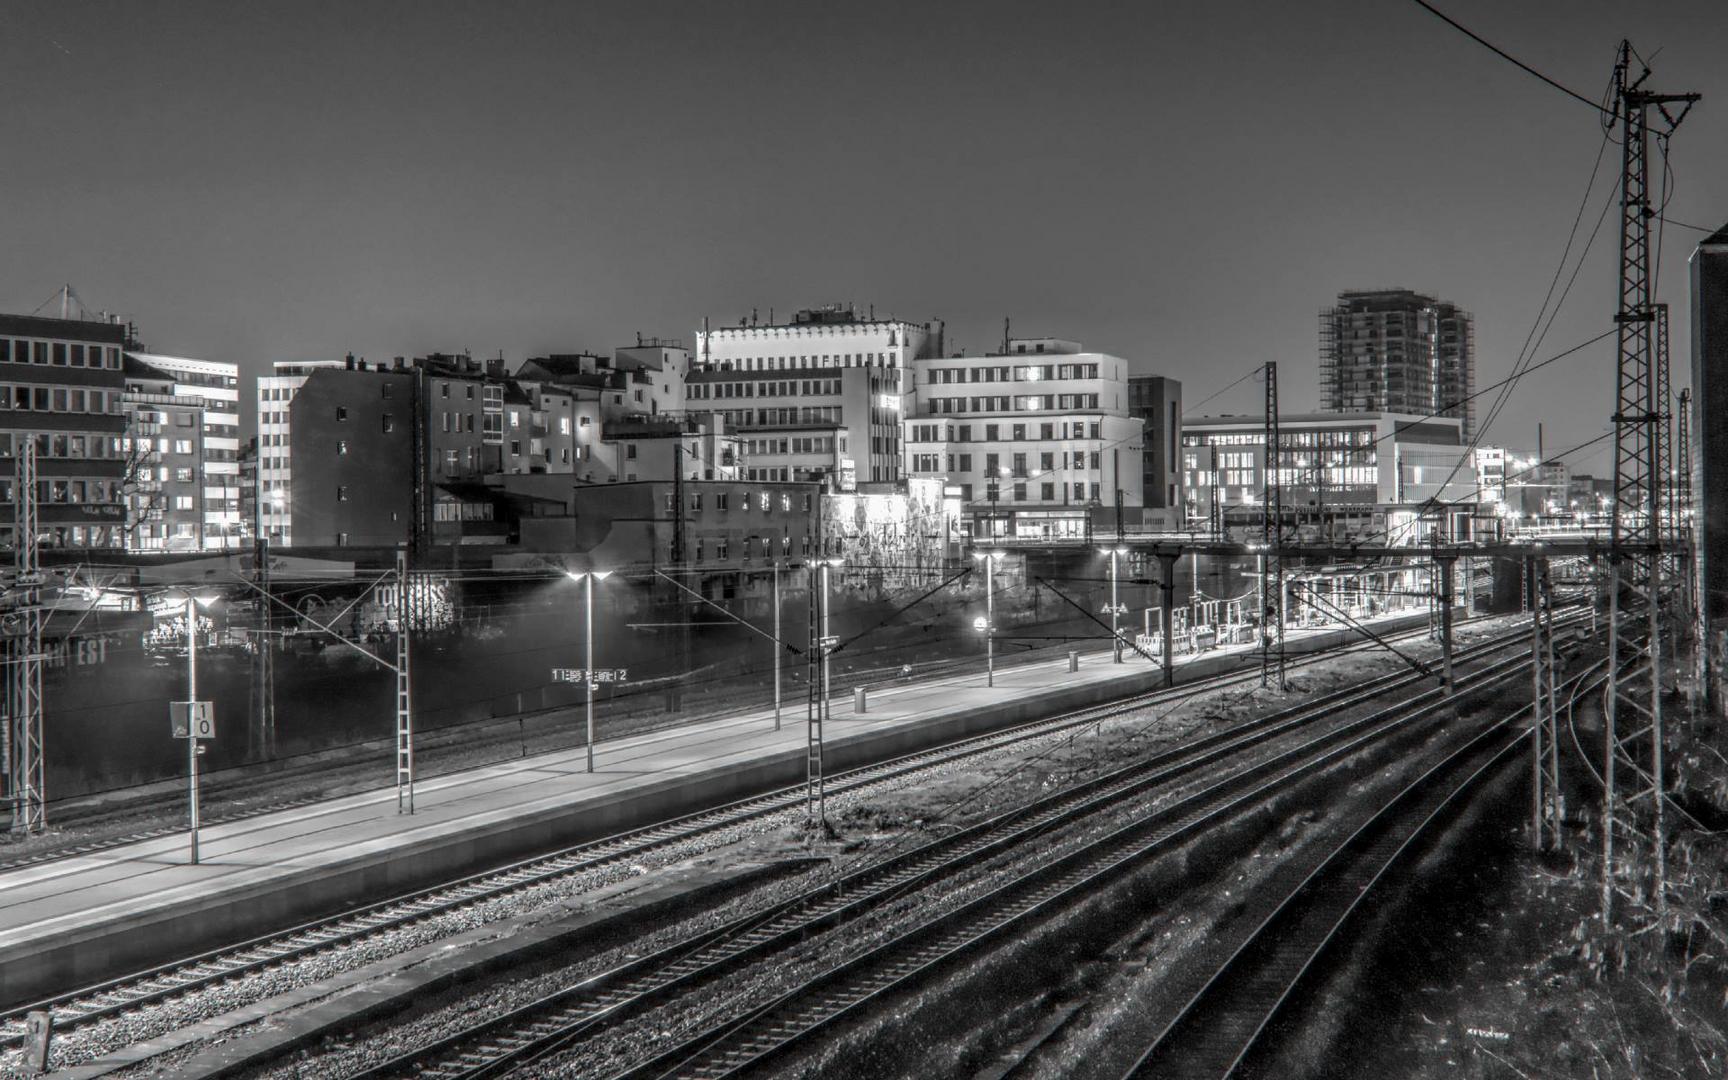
(1394, 350)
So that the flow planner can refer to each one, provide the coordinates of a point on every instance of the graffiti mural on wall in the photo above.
(893, 539)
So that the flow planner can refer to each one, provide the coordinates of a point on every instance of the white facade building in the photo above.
(218, 386)
(827, 391)
(1033, 438)
(275, 473)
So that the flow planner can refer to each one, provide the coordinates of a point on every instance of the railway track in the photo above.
(81, 1008)
(1305, 912)
(554, 1024)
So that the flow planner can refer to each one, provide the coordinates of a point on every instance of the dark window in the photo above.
(59, 354)
(341, 493)
(341, 412)
(389, 424)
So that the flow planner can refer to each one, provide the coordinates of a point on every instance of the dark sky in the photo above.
(1185, 185)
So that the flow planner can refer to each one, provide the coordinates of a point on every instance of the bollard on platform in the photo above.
(1073, 659)
(859, 699)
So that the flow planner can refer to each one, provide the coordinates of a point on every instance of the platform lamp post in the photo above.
(588, 578)
(1116, 608)
(194, 745)
(987, 626)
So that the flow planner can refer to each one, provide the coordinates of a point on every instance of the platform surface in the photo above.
(67, 922)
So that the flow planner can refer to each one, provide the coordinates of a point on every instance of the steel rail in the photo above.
(546, 1025)
(82, 1007)
(1214, 1031)
(745, 1043)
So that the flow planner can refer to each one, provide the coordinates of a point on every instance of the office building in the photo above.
(1032, 439)
(217, 387)
(1157, 402)
(1367, 476)
(1398, 351)
(62, 386)
(802, 402)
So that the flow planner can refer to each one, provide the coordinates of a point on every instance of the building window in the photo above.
(342, 446)
(388, 425)
(341, 493)
(1020, 491)
(341, 412)
(1047, 492)
(630, 451)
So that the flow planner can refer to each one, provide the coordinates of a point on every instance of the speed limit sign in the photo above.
(192, 719)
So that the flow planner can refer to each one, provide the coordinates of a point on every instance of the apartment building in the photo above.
(1033, 438)
(275, 470)
(165, 447)
(62, 387)
(216, 386)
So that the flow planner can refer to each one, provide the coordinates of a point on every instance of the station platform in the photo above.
(75, 921)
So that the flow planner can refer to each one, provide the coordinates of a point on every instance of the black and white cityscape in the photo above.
(985, 541)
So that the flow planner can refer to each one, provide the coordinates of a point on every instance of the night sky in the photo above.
(1184, 185)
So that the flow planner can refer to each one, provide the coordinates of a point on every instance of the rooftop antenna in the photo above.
(1006, 324)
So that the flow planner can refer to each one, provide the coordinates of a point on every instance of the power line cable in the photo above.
(1504, 55)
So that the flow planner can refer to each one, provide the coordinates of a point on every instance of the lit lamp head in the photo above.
(980, 624)
(578, 575)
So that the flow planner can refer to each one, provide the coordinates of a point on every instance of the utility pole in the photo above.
(24, 672)
(1272, 529)
(1547, 809)
(1634, 704)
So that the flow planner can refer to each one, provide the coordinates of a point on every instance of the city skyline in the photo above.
(293, 184)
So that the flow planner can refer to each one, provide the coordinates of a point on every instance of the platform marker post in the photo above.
(192, 743)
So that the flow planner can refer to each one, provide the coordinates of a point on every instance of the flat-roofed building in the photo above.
(796, 377)
(216, 386)
(1033, 438)
(62, 386)
(275, 442)
(165, 452)
(1364, 475)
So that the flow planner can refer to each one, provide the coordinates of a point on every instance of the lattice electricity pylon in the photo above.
(24, 667)
(1672, 562)
(405, 614)
(1272, 536)
(1633, 728)
(1547, 809)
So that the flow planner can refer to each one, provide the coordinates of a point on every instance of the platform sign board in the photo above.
(600, 675)
(192, 719)
(38, 1034)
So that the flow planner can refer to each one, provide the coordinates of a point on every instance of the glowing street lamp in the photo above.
(987, 625)
(589, 577)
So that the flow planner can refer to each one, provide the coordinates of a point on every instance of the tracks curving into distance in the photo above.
(557, 1022)
(1303, 915)
(83, 1007)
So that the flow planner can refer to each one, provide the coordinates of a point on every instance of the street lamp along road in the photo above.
(589, 577)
